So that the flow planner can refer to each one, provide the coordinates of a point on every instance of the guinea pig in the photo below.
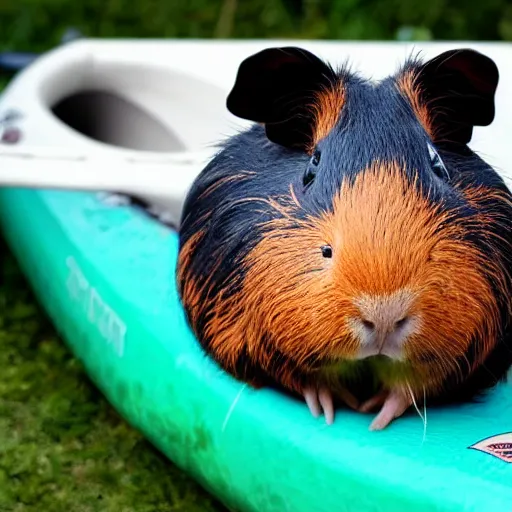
(348, 247)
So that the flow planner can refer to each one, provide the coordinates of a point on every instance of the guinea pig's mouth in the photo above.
(379, 359)
(376, 360)
(386, 352)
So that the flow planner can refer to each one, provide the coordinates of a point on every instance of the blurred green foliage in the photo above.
(37, 25)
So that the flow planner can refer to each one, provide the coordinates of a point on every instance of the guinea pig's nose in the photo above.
(384, 320)
(386, 323)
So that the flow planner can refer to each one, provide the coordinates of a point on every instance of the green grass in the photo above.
(62, 446)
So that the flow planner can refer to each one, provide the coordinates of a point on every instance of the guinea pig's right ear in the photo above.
(452, 93)
(281, 88)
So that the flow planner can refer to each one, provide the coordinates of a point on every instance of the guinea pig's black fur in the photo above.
(315, 129)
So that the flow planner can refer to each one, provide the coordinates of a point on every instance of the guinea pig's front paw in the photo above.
(393, 404)
(320, 398)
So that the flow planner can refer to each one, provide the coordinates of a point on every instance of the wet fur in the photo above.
(252, 195)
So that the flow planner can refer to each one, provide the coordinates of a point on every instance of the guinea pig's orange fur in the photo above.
(326, 111)
(192, 291)
(408, 85)
(386, 238)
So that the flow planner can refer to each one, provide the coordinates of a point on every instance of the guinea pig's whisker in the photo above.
(232, 407)
(447, 365)
(425, 412)
(466, 360)
(309, 271)
(424, 415)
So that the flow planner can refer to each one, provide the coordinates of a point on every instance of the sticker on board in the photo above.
(499, 446)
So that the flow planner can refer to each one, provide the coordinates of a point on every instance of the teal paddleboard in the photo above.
(105, 274)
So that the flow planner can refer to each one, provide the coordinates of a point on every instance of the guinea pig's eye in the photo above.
(310, 173)
(326, 251)
(437, 164)
(315, 159)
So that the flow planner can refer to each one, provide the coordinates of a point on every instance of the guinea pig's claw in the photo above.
(395, 404)
(318, 400)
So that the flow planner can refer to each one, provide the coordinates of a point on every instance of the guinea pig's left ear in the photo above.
(278, 87)
(454, 92)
